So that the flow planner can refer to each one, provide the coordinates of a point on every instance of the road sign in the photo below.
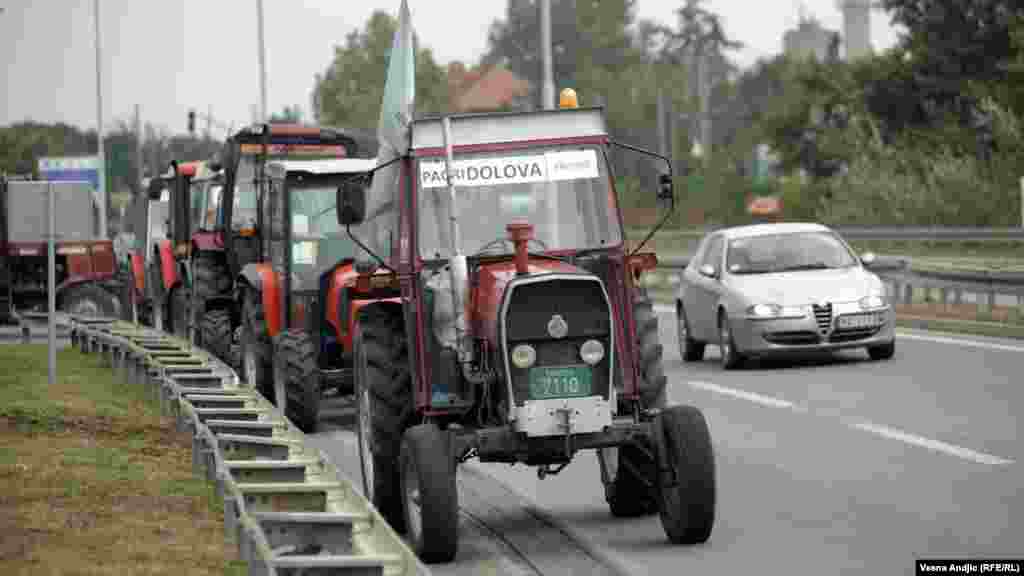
(71, 169)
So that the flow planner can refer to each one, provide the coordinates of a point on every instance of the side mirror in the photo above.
(868, 258)
(707, 270)
(351, 202)
(665, 190)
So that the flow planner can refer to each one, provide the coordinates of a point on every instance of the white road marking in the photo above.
(903, 334)
(865, 426)
(742, 394)
(936, 445)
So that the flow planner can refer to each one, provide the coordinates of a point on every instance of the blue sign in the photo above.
(71, 168)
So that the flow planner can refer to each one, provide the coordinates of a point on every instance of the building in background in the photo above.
(484, 89)
(856, 28)
(809, 40)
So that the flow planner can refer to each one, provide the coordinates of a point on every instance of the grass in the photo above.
(94, 481)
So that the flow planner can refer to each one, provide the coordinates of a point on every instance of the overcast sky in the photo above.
(150, 58)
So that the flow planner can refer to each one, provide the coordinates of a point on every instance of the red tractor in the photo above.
(511, 326)
(179, 204)
(86, 275)
(303, 288)
(218, 253)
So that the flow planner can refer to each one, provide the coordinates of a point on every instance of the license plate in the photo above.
(860, 321)
(560, 382)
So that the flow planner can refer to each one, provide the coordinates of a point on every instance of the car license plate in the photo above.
(860, 321)
(560, 382)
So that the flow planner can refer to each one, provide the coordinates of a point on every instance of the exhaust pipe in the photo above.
(520, 234)
(457, 265)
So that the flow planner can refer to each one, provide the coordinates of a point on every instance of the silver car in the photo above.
(773, 288)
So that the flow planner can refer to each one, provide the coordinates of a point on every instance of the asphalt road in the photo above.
(832, 464)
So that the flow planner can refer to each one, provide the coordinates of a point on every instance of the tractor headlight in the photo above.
(523, 356)
(873, 301)
(592, 352)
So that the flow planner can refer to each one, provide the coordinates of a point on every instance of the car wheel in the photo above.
(731, 358)
(882, 351)
(690, 350)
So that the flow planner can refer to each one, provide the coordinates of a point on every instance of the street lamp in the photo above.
(101, 185)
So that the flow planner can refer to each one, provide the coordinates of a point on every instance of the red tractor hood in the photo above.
(485, 297)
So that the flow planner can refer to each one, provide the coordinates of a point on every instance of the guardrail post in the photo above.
(908, 293)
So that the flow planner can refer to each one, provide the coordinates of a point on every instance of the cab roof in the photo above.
(501, 127)
(281, 168)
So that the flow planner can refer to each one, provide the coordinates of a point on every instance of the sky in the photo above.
(170, 56)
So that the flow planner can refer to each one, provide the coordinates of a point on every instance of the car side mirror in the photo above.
(665, 189)
(351, 203)
(868, 258)
(707, 270)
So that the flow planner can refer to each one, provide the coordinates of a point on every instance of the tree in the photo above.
(289, 115)
(348, 94)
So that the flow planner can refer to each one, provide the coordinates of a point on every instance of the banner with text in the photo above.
(548, 167)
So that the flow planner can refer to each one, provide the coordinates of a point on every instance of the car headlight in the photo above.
(873, 301)
(776, 311)
(592, 352)
(523, 356)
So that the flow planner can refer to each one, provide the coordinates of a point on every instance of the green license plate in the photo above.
(560, 382)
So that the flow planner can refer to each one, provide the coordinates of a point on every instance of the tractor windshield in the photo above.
(318, 241)
(562, 191)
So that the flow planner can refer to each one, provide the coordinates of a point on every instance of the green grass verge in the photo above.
(95, 480)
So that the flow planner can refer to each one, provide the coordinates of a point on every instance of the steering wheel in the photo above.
(498, 241)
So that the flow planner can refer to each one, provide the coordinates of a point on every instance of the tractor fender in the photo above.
(138, 271)
(207, 242)
(260, 276)
(168, 265)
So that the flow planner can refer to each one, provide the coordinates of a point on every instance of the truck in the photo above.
(86, 275)
(509, 323)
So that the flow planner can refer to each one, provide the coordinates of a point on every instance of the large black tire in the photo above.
(89, 300)
(690, 350)
(687, 494)
(652, 371)
(428, 486)
(256, 349)
(210, 278)
(629, 471)
(215, 333)
(383, 389)
(296, 379)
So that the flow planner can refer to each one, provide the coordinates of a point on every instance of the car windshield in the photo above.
(318, 241)
(563, 192)
(791, 252)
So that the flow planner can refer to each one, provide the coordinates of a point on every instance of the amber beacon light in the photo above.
(567, 99)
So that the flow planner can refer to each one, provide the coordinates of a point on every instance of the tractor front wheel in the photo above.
(430, 496)
(90, 301)
(296, 379)
(384, 400)
(255, 349)
(686, 501)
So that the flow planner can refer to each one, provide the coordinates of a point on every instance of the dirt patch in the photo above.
(970, 312)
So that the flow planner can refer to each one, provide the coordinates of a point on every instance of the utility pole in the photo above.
(101, 185)
(209, 120)
(547, 69)
(263, 63)
(704, 87)
(138, 151)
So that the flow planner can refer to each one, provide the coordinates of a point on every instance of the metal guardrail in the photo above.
(287, 508)
(963, 234)
(905, 284)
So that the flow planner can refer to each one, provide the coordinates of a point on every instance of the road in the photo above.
(827, 465)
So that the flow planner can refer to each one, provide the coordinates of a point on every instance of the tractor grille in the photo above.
(581, 303)
(823, 316)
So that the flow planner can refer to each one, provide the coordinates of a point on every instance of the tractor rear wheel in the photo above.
(296, 379)
(629, 471)
(215, 333)
(687, 492)
(179, 312)
(255, 346)
(210, 278)
(383, 388)
(430, 496)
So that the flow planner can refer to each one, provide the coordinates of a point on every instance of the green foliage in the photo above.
(288, 115)
(349, 92)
